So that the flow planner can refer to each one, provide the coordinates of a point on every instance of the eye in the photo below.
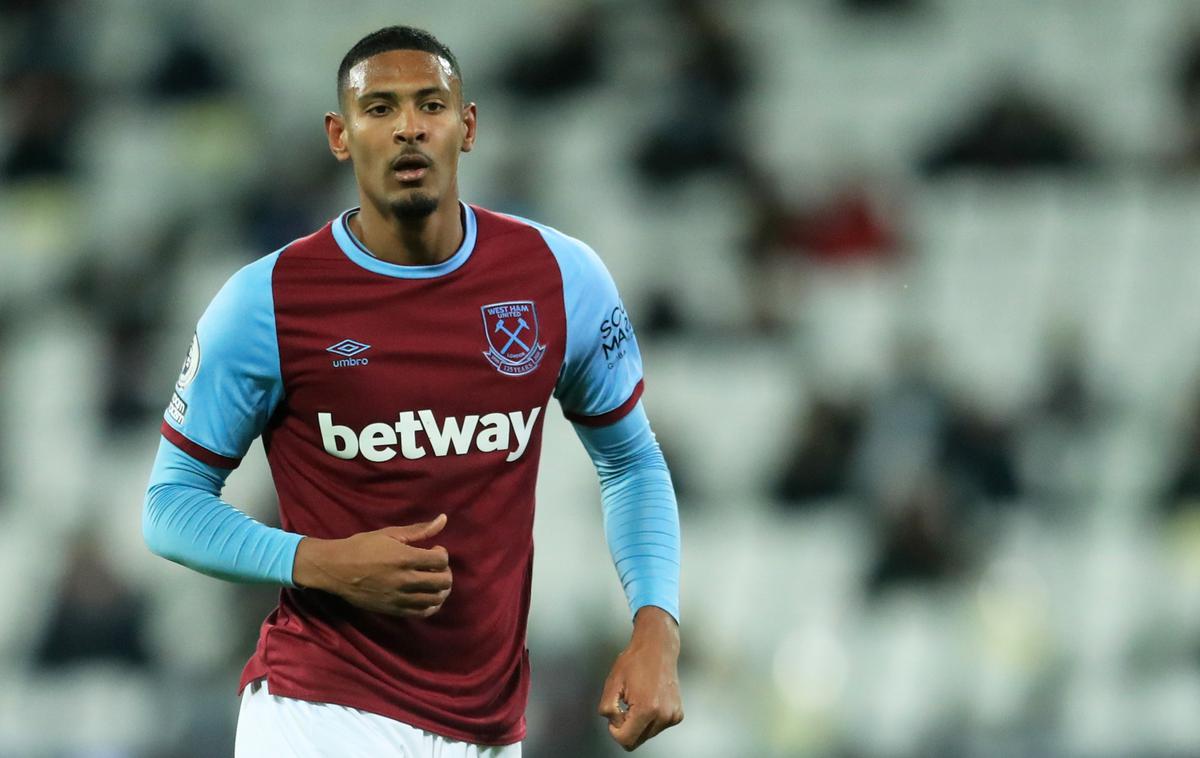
(433, 106)
(378, 110)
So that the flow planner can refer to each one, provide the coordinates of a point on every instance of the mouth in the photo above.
(410, 168)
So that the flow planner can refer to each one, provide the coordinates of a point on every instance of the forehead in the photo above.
(399, 71)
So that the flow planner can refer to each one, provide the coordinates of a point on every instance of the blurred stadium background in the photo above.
(917, 285)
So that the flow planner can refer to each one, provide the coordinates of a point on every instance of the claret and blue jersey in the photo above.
(385, 395)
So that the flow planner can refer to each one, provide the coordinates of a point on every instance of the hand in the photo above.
(380, 570)
(641, 694)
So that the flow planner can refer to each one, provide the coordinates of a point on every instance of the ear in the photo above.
(335, 131)
(468, 122)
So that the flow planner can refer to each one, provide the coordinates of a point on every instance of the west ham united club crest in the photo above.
(512, 335)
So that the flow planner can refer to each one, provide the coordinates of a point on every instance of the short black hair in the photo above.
(394, 38)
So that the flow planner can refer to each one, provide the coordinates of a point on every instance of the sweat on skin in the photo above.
(489, 433)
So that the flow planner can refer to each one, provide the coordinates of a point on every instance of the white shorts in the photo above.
(270, 726)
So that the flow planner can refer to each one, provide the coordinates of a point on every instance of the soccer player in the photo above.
(398, 364)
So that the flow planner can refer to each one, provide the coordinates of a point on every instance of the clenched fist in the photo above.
(641, 694)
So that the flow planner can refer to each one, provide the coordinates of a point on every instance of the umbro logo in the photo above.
(348, 349)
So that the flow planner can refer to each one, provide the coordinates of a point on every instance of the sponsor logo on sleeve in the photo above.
(512, 334)
(177, 409)
(615, 332)
(191, 365)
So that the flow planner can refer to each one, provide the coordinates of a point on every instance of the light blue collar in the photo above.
(357, 251)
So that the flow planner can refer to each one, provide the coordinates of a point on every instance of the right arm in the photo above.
(184, 520)
(229, 387)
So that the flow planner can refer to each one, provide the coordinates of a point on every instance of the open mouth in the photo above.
(410, 168)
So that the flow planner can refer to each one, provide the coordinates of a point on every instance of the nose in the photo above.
(410, 128)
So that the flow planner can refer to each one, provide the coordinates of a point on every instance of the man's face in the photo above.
(403, 125)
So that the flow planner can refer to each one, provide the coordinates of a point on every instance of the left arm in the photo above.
(641, 522)
(599, 386)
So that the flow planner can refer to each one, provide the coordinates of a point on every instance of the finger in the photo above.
(654, 727)
(420, 601)
(417, 532)
(429, 611)
(426, 613)
(413, 612)
(610, 701)
(426, 581)
(439, 550)
(628, 744)
(420, 559)
(632, 733)
(675, 718)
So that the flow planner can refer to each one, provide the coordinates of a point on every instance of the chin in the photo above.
(415, 204)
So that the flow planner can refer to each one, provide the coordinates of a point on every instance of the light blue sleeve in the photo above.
(230, 383)
(185, 521)
(641, 518)
(228, 389)
(602, 369)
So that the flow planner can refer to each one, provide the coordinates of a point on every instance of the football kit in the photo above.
(385, 395)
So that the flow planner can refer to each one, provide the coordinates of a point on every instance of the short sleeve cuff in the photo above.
(199, 452)
(613, 416)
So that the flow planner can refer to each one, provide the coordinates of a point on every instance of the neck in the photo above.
(410, 242)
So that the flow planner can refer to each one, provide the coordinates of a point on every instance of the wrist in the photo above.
(652, 615)
(652, 624)
(308, 570)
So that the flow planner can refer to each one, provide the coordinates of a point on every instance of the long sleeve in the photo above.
(185, 521)
(229, 386)
(641, 517)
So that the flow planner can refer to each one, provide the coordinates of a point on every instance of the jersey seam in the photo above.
(562, 293)
(275, 331)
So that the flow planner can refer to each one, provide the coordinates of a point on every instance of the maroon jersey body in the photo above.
(404, 398)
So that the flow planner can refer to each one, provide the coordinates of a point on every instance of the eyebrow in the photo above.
(392, 97)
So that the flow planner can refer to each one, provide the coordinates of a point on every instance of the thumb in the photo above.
(417, 532)
(611, 702)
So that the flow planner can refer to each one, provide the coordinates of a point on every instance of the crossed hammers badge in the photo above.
(512, 335)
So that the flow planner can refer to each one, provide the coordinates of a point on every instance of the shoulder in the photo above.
(250, 284)
(258, 272)
(244, 302)
(257, 276)
(576, 259)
